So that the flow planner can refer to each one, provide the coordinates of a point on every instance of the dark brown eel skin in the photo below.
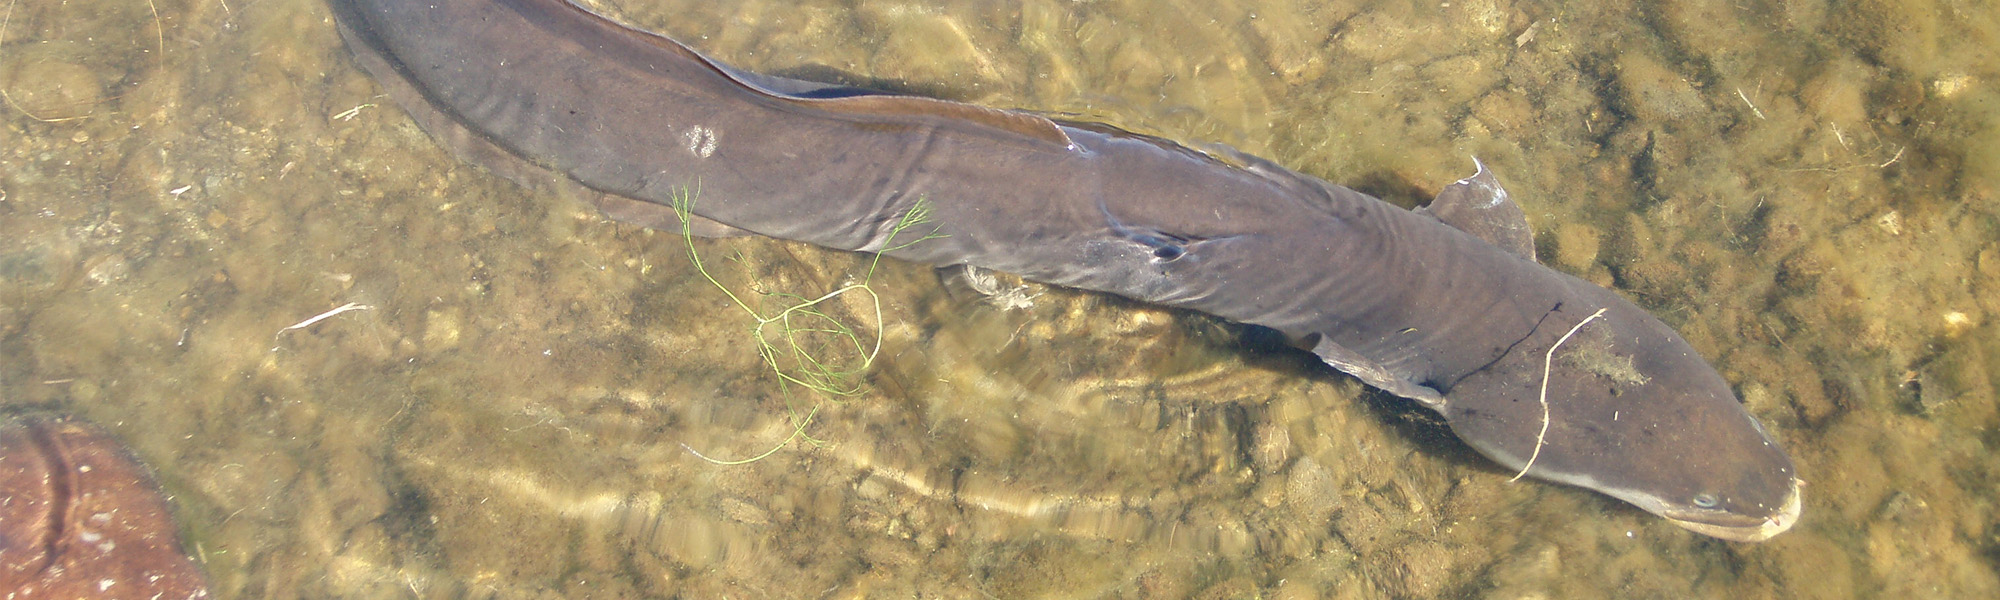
(1444, 305)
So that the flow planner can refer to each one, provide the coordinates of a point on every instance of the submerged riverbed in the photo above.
(514, 404)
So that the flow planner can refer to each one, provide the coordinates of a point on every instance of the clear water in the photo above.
(1805, 188)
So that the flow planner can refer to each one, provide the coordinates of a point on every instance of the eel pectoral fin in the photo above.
(1374, 374)
(1479, 206)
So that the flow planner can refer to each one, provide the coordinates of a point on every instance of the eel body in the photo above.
(1444, 305)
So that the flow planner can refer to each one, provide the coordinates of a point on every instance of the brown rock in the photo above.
(79, 518)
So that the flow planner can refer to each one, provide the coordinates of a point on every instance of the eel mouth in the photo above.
(1759, 531)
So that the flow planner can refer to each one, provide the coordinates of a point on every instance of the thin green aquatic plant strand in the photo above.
(811, 371)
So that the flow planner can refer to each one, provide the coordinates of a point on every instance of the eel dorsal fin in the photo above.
(1030, 126)
(1479, 206)
(853, 100)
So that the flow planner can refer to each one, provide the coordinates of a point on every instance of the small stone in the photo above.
(1656, 93)
(1577, 246)
(743, 511)
(1890, 222)
(1310, 491)
(1274, 447)
(1903, 507)
(50, 88)
(441, 329)
(1951, 84)
(1956, 322)
(1989, 262)
(1419, 569)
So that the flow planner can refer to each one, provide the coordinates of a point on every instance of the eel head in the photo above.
(1620, 404)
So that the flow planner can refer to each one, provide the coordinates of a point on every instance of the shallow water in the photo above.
(1804, 188)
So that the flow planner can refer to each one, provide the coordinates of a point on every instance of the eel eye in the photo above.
(1168, 253)
(1705, 500)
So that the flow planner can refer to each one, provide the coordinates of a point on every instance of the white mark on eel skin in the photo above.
(700, 141)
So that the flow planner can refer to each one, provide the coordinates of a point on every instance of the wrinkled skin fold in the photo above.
(1445, 305)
